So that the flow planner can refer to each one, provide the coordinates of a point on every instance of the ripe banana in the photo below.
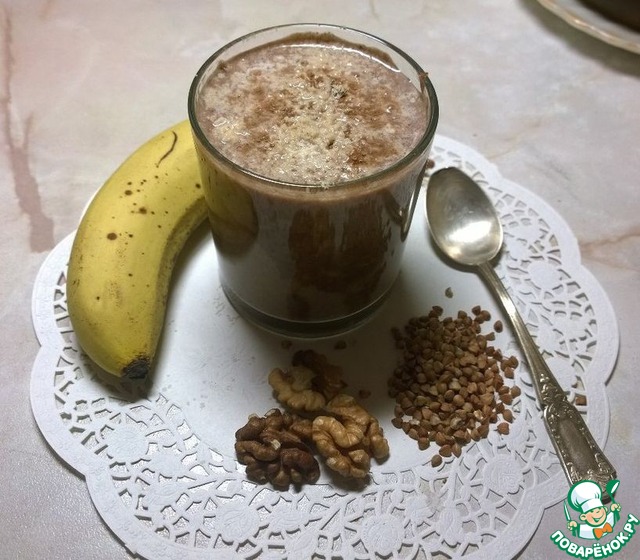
(125, 248)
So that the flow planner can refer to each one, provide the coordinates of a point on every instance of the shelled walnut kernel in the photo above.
(274, 449)
(347, 436)
(318, 417)
(449, 388)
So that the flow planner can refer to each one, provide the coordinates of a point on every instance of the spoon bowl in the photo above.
(463, 221)
(466, 227)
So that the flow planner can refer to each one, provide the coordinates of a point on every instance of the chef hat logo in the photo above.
(585, 496)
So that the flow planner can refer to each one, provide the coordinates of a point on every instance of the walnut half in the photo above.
(273, 449)
(347, 436)
(294, 389)
(308, 384)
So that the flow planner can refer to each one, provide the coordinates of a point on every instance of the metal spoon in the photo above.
(466, 227)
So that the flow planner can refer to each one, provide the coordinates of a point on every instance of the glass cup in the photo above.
(301, 259)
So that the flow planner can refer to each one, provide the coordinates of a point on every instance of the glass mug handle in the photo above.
(406, 215)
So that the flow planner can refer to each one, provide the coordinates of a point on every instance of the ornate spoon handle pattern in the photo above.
(580, 455)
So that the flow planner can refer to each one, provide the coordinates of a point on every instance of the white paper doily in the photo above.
(158, 457)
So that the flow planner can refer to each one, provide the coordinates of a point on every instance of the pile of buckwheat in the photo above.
(450, 387)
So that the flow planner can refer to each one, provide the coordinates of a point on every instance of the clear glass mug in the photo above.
(310, 260)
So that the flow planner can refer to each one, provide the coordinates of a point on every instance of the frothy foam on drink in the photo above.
(313, 112)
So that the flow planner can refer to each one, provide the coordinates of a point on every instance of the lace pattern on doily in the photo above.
(168, 493)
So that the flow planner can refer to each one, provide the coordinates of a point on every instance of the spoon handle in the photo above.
(580, 455)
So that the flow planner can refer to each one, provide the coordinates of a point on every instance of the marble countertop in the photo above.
(83, 84)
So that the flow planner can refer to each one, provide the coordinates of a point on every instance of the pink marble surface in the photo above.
(84, 83)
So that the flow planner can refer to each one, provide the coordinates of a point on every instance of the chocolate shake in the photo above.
(313, 146)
